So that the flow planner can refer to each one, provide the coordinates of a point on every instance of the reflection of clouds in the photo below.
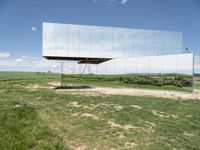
(181, 63)
(78, 40)
(197, 64)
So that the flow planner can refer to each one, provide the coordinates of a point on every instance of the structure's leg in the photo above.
(83, 70)
(61, 74)
(89, 69)
(193, 73)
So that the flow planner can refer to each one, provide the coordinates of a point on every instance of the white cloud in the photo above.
(124, 1)
(109, 2)
(34, 29)
(4, 54)
(18, 60)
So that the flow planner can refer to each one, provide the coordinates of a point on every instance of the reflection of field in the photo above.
(34, 114)
(167, 81)
(197, 81)
(197, 77)
(197, 85)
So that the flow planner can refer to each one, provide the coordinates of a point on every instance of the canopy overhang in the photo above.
(81, 60)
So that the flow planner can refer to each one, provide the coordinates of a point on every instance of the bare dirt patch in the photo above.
(163, 114)
(79, 92)
(74, 104)
(86, 93)
(75, 114)
(130, 144)
(148, 128)
(188, 116)
(125, 127)
(136, 106)
(89, 107)
(37, 86)
(160, 114)
(188, 134)
(121, 136)
(38, 98)
(83, 147)
(54, 83)
(118, 107)
(97, 91)
(90, 116)
(76, 146)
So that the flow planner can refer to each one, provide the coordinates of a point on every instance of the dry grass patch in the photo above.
(129, 145)
(188, 116)
(90, 116)
(149, 127)
(54, 83)
(118, 107)
(75, 114)
(163, 114)
(125, 127)
(121, 136)
(37, 86)
(89, 107)
(2, 91)
(188, 134)
(74, 104)
(136, 106)
(76, 146)
(78, 92)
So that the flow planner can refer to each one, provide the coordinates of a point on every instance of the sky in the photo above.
(21, 24)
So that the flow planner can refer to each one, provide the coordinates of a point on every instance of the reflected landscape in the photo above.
(170, 72)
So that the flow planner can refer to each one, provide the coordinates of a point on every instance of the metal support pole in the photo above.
(176, 70)
(193, 73)
(61, 73)
(83, 70)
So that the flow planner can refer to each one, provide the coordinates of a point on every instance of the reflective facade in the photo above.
(166, 64)
(172, 72)
(68, 40)
(134, 56)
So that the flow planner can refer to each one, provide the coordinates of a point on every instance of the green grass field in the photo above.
(33, 115)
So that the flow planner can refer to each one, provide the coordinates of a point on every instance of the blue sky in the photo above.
(21, 21)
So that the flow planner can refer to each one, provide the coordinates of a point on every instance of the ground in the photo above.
(34, 114)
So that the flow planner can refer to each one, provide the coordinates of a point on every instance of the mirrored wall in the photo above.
(172, 72)
(68, 40)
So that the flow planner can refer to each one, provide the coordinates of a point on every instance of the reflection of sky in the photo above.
(197, 64)
(181, 63)
(91, 41)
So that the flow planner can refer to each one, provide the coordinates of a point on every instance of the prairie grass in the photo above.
(44, 119)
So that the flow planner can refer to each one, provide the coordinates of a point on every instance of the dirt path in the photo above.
(94, 91)
(156, 93)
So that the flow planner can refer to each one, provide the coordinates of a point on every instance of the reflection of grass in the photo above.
(117, 84)
(133, 81)
(45, 119)
(197, 85)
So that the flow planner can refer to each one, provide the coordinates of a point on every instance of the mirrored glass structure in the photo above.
(131, 56)
(81, 41)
